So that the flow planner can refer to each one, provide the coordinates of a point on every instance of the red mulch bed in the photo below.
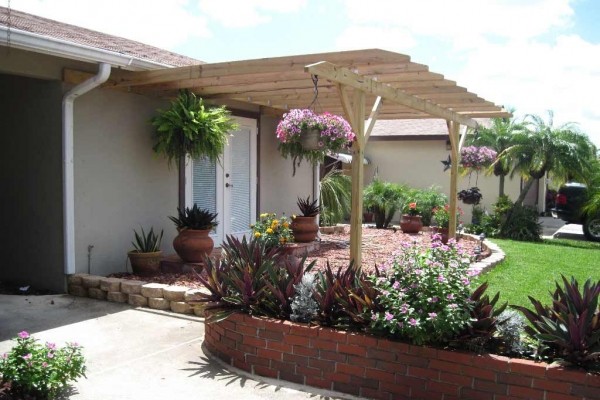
(377, 248)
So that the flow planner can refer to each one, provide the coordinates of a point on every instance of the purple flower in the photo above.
(27, 356)
(388, 316)
(441, 279)
(450, 296)
(434, 299)
(400, 324)
(51, 346)
(396, 285)
(413, 322)
(24, 335)
(50, 355)
(432, 315)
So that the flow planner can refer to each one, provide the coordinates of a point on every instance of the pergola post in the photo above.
(358, 155)
(453, 130)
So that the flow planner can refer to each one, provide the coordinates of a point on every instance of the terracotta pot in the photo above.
(145, 263)
(411, 223)
(311, 139)
(304, 229)
(192, 245)
(443, 232)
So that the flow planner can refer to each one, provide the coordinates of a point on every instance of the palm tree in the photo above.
(499, 136)
(335, 197)
(562, 151)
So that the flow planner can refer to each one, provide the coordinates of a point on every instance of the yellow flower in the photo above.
(264, 215)
(269, 231)
(257, 234)
(286, 225)
(275, 222)
(293, 216)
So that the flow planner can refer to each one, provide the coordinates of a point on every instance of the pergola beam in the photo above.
(371, 86)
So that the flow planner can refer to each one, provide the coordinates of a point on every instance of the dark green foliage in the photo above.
(484, 318)
(147, 243)
(490, 224)
(427, 200)
(470, 196)
(522, 224)
(345, 298)
(384, 198)
(308, 208)
(194, 218)
(570, 327)
(191, 128)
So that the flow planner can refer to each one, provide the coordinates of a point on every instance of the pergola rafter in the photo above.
(397, 88)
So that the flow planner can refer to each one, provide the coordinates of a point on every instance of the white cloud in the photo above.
(534, 77)
(363, 37)
(160, 23)
(466, 21)
(247, 13)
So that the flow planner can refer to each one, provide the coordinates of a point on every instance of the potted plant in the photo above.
(303, 134)
(190, 128)
(305, 227)
(441, 217)
(411, 219)
(193, 242)
(146, 255)
(384, 198)
(470, 196)
(476, 157)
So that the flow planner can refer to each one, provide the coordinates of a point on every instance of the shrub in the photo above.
(272, 231)
(570, 328)
(521, 224)
(490, 224)
(335, 197)
(427, 199)
(40, 371)
(425, 295)
(384, 198)
(304, 307)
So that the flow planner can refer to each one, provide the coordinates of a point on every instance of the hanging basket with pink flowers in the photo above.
(303, 134)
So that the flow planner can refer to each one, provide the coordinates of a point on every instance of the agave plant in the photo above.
(194, 218)
(308, 208)
(571, 326)
(147, 243)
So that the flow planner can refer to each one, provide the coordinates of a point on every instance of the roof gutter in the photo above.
(68, 175)
(24, 40)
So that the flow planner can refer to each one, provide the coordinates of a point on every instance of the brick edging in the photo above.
(136, 293)
(378, 368)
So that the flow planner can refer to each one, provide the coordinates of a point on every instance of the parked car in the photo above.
(569, 202)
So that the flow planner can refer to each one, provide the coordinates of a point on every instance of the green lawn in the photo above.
(532, 268)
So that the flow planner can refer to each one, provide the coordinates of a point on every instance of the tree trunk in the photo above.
(501, 186)
(525, 190)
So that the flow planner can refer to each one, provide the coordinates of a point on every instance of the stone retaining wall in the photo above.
(377, 368)
(137, 293)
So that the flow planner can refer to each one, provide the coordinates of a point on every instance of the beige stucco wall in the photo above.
(120, 184)
(279, 191)
(418, 164)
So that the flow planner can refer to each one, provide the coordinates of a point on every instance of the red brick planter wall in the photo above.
(381, 369)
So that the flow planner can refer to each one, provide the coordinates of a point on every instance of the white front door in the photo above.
(228, 188)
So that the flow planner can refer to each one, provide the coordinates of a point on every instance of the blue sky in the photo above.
(534, 55)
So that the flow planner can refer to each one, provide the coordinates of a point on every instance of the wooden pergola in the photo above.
(396, 87)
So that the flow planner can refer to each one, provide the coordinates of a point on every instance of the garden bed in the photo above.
(378, 368)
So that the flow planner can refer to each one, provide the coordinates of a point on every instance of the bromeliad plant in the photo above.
(425, 294)
(33, 370)
(272, 231)
(194, 218)
(335, 135)
(570, 327)
(308, 208)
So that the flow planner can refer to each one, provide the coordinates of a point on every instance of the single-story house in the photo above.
(77, 165)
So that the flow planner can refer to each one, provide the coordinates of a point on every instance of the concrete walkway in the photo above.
(135, 353)
(553, 228)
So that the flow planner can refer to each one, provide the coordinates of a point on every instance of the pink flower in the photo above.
(27, 356)
(24, 335)
(413, 322)
(51, 346)
(388, 316)
(450, 296)
(44, 365)
(50, 355)
(432, 315)
(396, 285)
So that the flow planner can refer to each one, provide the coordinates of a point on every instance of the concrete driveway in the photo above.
(553, 228)
(135, 353)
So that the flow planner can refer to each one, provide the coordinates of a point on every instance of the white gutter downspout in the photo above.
(68, 175)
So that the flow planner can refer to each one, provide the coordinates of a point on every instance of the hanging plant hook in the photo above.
(315, 101)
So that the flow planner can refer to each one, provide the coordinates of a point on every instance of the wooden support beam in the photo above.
(463, 136)
(349, 78)
(453, 129)
(358, 149)
(370, 124)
